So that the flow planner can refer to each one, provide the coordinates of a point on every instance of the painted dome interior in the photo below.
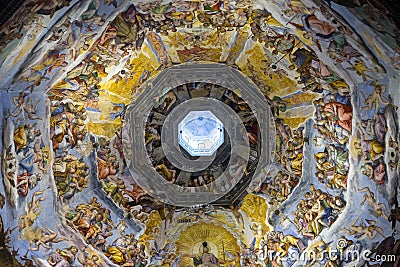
(199, 133)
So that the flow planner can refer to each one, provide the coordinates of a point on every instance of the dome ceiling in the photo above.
(312, 89)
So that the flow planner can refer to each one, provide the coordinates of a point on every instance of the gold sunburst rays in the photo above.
(255, 208)
(154, 221)
(219, 240)
(259, 60)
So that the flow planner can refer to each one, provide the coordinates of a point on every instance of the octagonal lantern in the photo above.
(136, 117)
(200, 133)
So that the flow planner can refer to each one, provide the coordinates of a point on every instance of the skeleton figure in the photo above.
(32, 210)
(379, 208)
(45, 238)
(375, 98)
(362, 231)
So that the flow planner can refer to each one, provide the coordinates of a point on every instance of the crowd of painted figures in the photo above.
(333, 111)
(20, 23)
(67, 132)
(333, 125)
(111, 173)
(333, 119)
(214, 13)
(289, 156)
(28, 158)
(278, 187)
(107, 161)
(126, 32)
(220, 14)
(106, 46)
(94, 223)
(120, 39)
(173, 98)
(317, 211)
(314, 75)
(371, 133)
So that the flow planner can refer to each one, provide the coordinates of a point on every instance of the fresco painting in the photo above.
(73, 72)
